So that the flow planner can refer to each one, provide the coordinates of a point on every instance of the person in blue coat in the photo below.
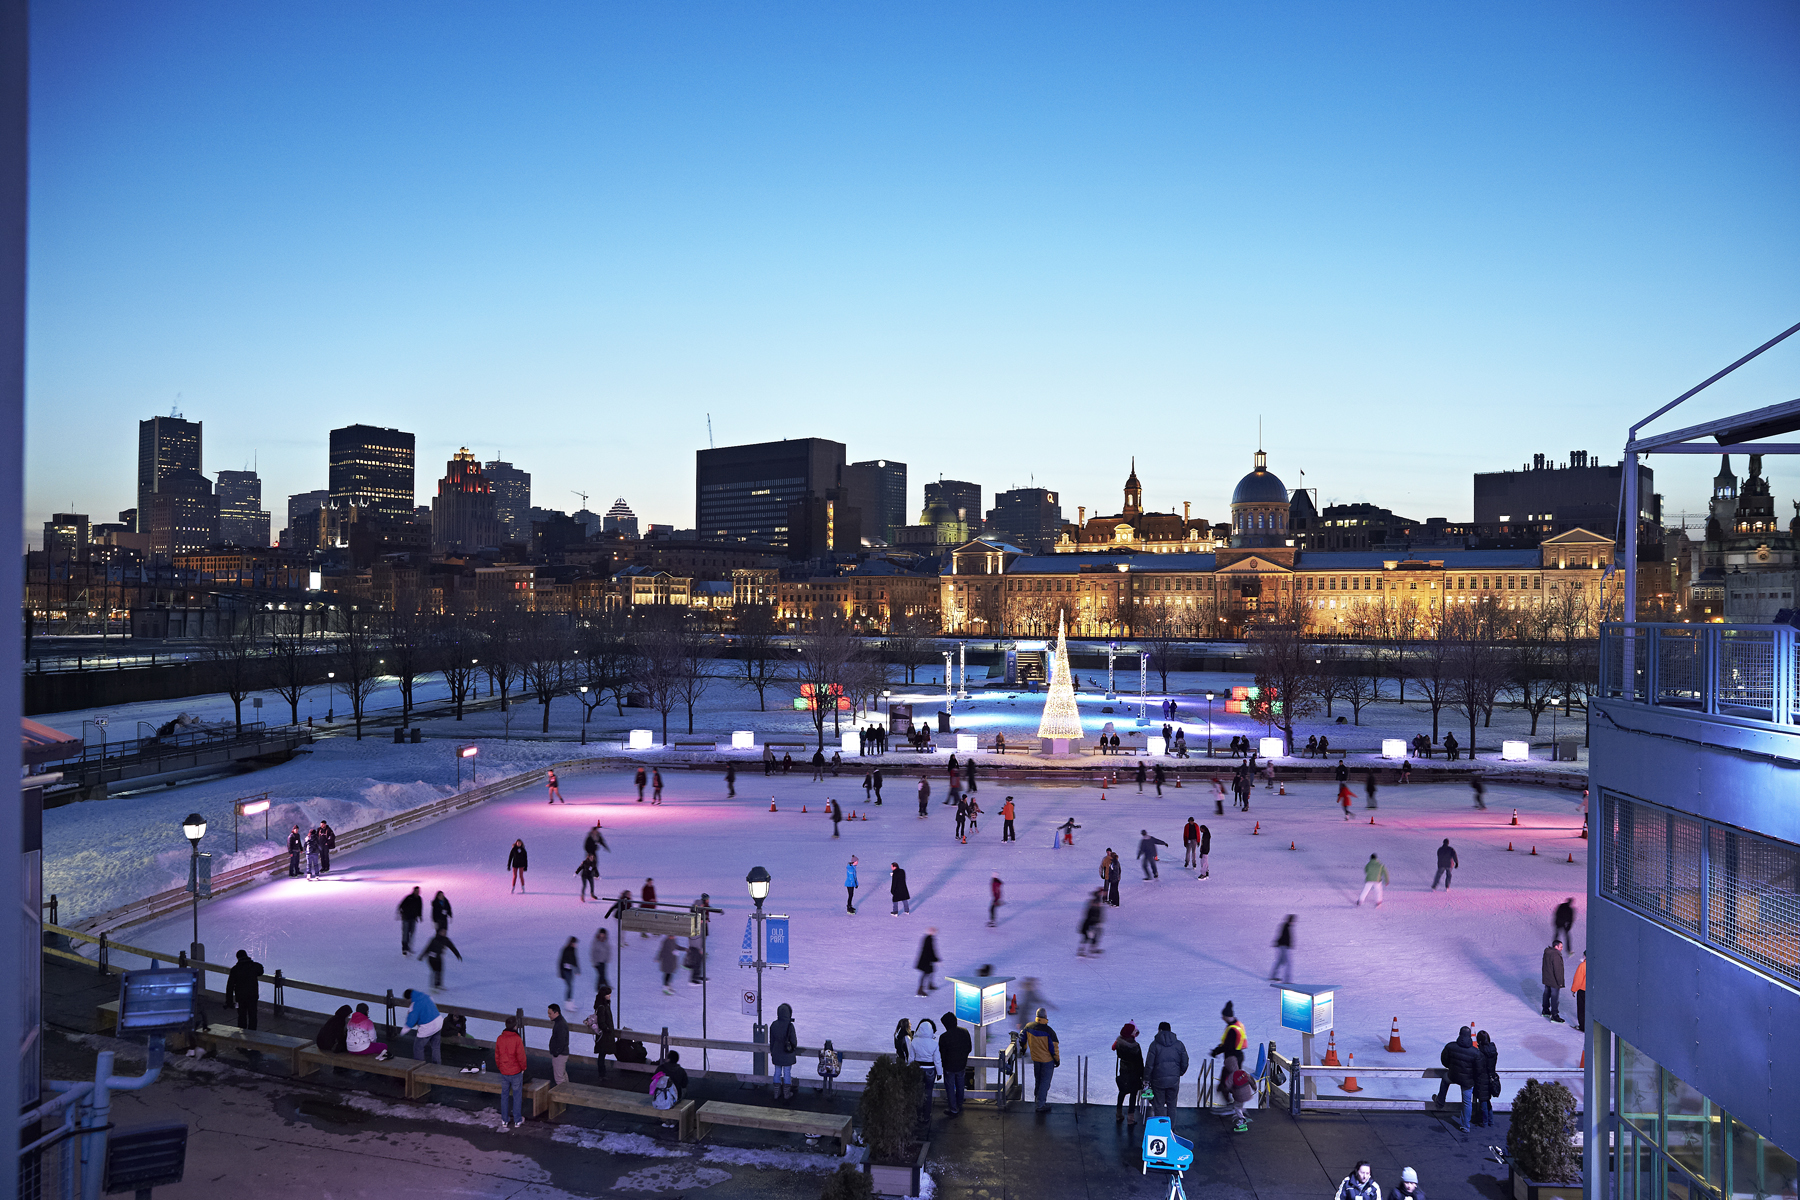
(850, 885)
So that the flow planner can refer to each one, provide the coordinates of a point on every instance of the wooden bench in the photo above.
(312, 1058)
(276, 1044)
(586, 1095)
(427, 1075)
(745, 1116)
(696, 744)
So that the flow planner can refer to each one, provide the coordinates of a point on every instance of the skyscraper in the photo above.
(512, 499)
(184, 514)
(242, 519)
(301, 507)
(1029, 518)
(372, 468)
(743, 493)
(620, 519)
(66, 536)
(165, 445)
(959, 496)
(462, 514)
(878, 488)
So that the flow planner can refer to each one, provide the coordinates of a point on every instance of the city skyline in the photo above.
(569, 240)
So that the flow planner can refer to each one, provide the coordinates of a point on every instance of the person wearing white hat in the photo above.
(1408, 1186)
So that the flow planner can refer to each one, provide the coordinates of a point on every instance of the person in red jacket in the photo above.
(509, 1060)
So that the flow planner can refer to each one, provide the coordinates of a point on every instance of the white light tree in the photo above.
(1061, 717)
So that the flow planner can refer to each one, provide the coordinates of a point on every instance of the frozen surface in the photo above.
(1176, 950)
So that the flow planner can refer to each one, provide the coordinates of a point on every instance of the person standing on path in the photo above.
(1553, 981)
(1358, 1185)
(768, 759)
(818, 765)
(241, 987)
(1578, 986)
(1006, 816)
(850, 886)
(837, 814)
(1205, 852)
(327, 843)
(509, 1061)
(1190, 843)
(589, 871)
(1128, 1072)
(1164, 1065)
(784, 1046)
(877, 783)
(440, 912)
(550, 785)
(924, 795)
(568, 965)
(517, 862)
(926, 963)
(1046, 1056)
(433, 956)
(1488, 1087)
(1147, 853)
(954, 1047)
(1375, 877)
(897, 889)
(1462, 1067)
(1450, 747)
(640, 779)
(1284, 945)
(559, 1043)
(296, 846)
(412, 908)
(1565, 922)
(425, 1023)
(994, 901)
(731, 781)
(1446, 863)
(600, 1024)
(923, 1053)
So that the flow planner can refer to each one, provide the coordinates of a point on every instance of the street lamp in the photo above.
(758, 882)
(1555, 707)
(585, 713)
(1209, 700)
(888, 695)
(194, 828)
(330, 694)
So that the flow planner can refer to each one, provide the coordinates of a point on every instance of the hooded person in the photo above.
(784, 1048)
(954, 1047)
(359, 1035)
(924, 1054)
(1463, 1067)
(1164, 1065)
(333, 1035)
(425, 1023)
(1128, 1070)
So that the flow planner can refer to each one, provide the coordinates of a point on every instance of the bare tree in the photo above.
(410, 654)
(360, 650)
(1532, 674)
(1156, 629)
(909, 644)
(760, 656)
(1476, 668)
(696, 667)
(544, 658)
(1330, 660)
(658, 663)
(826, 649)
(1287, 670)
(292, 669)
(455, 651)
(604, 663)
(501, 656)
(236, 664)
(1430, 668)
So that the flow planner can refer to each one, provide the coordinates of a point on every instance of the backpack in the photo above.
(627, 1050)
(829, 1063)
(662, 1091)
(1242, 1086)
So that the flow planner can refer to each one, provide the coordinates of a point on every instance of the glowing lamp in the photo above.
(1511, 751)
(249, 808)
(965, 743)
(1158, 746)
(743, 739)
(1273, 747)
(758, 881)
(641, 739)
(468, 751)
(194, 827)
(1393, 748)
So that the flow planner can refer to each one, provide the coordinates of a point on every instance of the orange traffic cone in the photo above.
(1257, 830)
(1571, 857)
(803, 808)
(1331, 1058)
(1178, 781)
(1584, 827)
(1515, 820)
(1583, 1062)
(1371, 820)
(1012, 1004)
(1394, 1046)
(1283, 790)
(1350, 1084)
(1534, 849)
(771, 804)
(1291, 846)
(1509, 847)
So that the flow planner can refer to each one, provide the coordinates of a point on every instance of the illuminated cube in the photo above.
(1393, 748)
(1515, 751)
(1273, 747)
(642, 739)
(743, 739)
(965, 743)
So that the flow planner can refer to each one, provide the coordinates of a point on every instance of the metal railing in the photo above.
(1745, 671)
(1299, 1090)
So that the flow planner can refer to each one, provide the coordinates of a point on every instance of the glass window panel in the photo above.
(1639, 1088)
(1685, 1111)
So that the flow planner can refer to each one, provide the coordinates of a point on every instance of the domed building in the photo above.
(1259, 509)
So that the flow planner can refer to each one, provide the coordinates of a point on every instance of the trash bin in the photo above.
(1566, 750)
(943, 721)
(399, 735)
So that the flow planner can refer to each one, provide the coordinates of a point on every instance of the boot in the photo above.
(1119, 1112)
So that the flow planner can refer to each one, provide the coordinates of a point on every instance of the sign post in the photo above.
(765, 937)
(979, 1002)
(1310, 1008)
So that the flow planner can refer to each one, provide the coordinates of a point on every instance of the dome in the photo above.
(1260, 486)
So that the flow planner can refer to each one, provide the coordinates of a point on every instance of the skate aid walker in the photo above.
(1165, 1151)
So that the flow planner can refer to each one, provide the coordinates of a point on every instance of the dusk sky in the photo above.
(1000, 243)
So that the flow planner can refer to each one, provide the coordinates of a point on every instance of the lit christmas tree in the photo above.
(1061, 718)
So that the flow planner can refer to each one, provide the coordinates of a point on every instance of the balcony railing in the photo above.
(1746, 671)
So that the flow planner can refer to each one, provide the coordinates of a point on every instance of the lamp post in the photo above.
(887, 695)
(330, 694)
(1209, 700)
(585, 712)
(758, 882)
(194, 828)
(1112, 652)
(1555, 707)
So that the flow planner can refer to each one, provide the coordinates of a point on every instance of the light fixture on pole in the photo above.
(949, 682)
(1112, 652)
(758, 882)
(1209, 700)
(585, 713)
(888, 696)
(194, 828)
(1555, 707)
(330, 695)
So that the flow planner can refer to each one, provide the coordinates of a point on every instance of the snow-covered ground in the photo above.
(1176, 949)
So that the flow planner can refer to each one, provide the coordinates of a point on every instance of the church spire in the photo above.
(1134, 492)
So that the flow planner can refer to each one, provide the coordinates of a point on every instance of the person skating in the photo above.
(1446, 863)
(923, 1052)
(1340, 772)
(1190, 843)
(784, 1047)
(1006, 816)
(599, 951)
(241, 988)
(1205, 852)
(595, 841)
(1143, 772)
(559, 1043)
(837, 814)
(433, 956)
(1046, 1056)
(1553, 981)
(1284, 946)
(1093, 919)
(509, 1062)
(441, 912)
(327, 843)
(1488, 1079)
(1375, 877)
(656, 785)
(974, 818)
(1359, 1184)
(1479, 789)
(550, 786)
(296, 846)
(876, 780)
(668, 959)
(640, 779)
(926, 963)
(695, 961)
(1164, 1065)
(1158, 775)
(1147, 853)
(924, 795)
(517, 862)
(962, 821)
(994, 901)
(411, 909)
(850, 886)
(1128, 1073)
(1564, 920)
(647, 899)
(568, 965)
(1578, 988)
(731, 781)
(954, 1047)
(1218, 797)
(1114, 872)
(315, 844)
(425, 1023)
(1067, 830)
(1343, 799)
(589, 872)
(897, 889)
(1369, 790)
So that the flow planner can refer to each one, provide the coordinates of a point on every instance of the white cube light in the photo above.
(850, 741)
(1515, 751)
(1393, 748)
(1158, 746)
(1273, 747)
(743, 739)
(641, 739)
(966, 743)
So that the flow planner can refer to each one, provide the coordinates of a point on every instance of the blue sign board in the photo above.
(966, 1002)
(775, 941)
(747, 954)
(1309, 1009)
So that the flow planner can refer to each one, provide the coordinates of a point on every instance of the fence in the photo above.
(1746, 671)
(1299, 1091)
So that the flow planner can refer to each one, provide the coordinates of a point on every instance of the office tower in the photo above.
(463, 519)
(1544, 499)
(962, 498)
(822, 525)
(184, 514)
(878, 488)
(372, 468)
(588, 520)
(165, 445)
(512, 499)
(742, 493)
(302, 506)
(66, 536)
(620, 519)
(1029, 518)
(242, 518)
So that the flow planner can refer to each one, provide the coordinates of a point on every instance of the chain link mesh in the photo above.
(1651, 859)
(1753, 905)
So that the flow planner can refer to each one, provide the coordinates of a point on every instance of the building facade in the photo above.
(744, 493)
(184, 515)
(1518, 508)
(1134, 530)
(242, 519)
(512, 500)
(165, 445)
(463, 517)
(878, 488)
(371, 467)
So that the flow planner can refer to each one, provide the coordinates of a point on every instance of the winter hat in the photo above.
(1043, 1014)
(1408, 1175)
(1129, 1031)
(1163, 1027)
(1228, 1013)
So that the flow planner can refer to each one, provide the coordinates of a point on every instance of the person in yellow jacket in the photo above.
(1579, 987)
(1046, 1056)
(1230, 1050)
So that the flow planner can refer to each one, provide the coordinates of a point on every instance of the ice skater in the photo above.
(897, 889)
(1343, 799)
(1143, 772)
(1284, 945)
(974, 817)
(1067, 829)
(440, 912)
(1115, 870)
(668, 959)
(640, 779)
(877, 782)
(1093, 918)
(647, 899)
(1205, 852)
(1006, 816)
(836, 813)
(411, 909)
(926, 963)
(1190, 843)
(568, 965)
(594, 841)
(1480, 792)
(550, 786)
(315, 842)
(599, 950)
(1446, 863)
(1218, 797)
(327, 843)
(1375, 876)
(731, 781)
(296, 846)
(433, 956)
(589, 872)
(962, 821)
(1147, 853)
(850, 886)
(1369, 790)
(656, 786)
(1564, 919)
(516, 862)
(994, 900)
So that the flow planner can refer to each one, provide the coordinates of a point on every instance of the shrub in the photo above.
(847, 1183)
(889, 1107)
(1540, 1140)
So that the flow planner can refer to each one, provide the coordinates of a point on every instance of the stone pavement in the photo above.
(255, 1130)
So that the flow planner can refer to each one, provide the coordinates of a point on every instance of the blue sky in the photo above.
(999, 243)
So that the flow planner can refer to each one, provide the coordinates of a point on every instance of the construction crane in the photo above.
(583, 496)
